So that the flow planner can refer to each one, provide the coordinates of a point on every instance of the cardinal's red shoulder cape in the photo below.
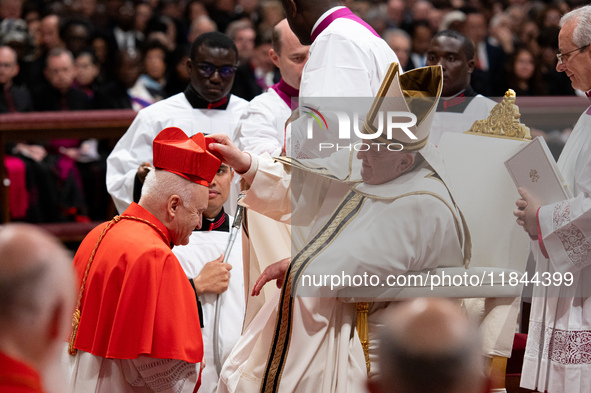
(137, 299)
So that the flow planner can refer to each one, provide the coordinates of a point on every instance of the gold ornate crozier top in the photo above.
(503, 121)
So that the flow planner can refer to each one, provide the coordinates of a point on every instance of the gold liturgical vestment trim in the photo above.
(347, 210)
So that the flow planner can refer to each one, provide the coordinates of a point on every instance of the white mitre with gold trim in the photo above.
(413, 97)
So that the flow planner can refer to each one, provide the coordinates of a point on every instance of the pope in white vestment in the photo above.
(324, 354)
(307, 342)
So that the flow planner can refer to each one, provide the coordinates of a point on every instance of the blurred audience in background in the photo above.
(102, 28)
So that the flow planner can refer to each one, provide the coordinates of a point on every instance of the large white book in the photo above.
(534, 169)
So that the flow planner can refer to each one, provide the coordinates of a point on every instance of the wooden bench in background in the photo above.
(99, 124)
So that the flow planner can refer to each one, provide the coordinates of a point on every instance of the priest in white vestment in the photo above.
(558, 352)
(378, 212)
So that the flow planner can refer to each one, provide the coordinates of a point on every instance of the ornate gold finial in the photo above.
(503, 121)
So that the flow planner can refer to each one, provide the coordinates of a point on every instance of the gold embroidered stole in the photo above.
(347, 210)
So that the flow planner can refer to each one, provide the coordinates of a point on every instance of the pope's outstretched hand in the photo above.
(275, 271)
(229, 153)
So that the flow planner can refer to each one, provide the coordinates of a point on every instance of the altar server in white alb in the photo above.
(558, 353)
(387, 213)
(460, 106)
(205, 106)
(202, 258)
(262, 126)
(347, 57)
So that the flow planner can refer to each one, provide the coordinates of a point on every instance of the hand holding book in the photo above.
(539, 182)
(526, 212)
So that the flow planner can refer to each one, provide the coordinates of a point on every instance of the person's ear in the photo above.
(232, 173)
(173, 205)
(274, 57)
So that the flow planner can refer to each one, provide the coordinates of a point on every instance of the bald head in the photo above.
(36, 293)
(26, 250)
(288, 54)
(429, 337)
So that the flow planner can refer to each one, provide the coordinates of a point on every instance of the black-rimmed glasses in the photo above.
(208, 69)
(563, 57)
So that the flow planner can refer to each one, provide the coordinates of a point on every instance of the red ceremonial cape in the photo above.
(137, 300)
(17, 377)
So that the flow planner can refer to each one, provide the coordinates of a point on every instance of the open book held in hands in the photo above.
(534, 169)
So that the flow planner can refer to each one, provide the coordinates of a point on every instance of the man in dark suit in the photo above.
(58, 94)
(488, 73)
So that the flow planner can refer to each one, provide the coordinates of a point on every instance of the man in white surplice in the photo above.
(558, 352)
(205, 106)
(378, 212)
